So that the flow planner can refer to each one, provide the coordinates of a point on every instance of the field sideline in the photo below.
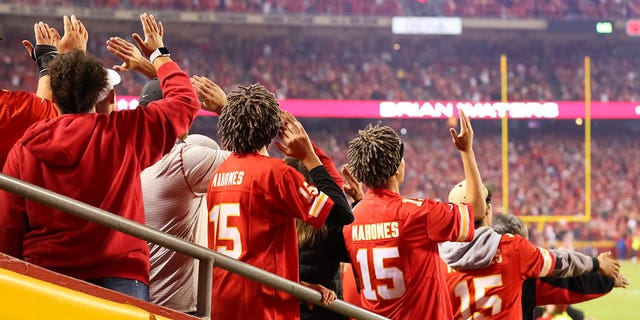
(620, 304)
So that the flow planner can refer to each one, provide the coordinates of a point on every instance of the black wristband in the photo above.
(43, 54)
(596, 264)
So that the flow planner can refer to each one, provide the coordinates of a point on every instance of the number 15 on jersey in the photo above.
(378, 256)
(226, 239)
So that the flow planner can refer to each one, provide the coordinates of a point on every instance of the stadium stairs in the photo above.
(29, 292)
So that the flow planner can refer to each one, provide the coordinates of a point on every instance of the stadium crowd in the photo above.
(318, 69)
(253, 198)
(324, 68)
(508, 9)
(546, 168)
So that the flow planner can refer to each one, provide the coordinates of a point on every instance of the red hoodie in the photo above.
(96, 159)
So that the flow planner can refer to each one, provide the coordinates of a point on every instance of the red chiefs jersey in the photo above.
(18, 111)
(494, 292)
(393, 246)
(253, 201)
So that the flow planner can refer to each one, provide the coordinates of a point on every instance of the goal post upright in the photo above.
(505, 136)
(587, 138)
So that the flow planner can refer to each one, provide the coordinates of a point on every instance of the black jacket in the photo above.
(552, 290)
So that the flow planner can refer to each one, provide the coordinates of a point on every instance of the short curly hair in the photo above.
(250, 120)
(76, 80)
(374, 155)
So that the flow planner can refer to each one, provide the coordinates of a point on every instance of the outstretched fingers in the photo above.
(55, 35)
(118, 48)
(346, 173)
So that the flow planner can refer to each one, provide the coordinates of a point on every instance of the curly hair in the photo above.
(76, 81)
(374, 155)
(250, 120)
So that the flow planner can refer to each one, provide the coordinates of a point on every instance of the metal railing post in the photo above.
(205, 279)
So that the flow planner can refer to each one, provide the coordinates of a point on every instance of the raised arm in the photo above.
(75, 36)
(49, 44)
(464, 143)
(352, 187)
(296, 144)
(132, 58)
(152, 130)
(42, 53)
(212, 97)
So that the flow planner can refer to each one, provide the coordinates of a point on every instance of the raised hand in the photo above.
(153, 32)
(212, 97)
(351, 187)
(42, 35)
(75, 36)
(608, 266)
(463, 140)
(296, 143)
(132, 58)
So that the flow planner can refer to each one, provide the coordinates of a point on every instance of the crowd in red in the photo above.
(382, 68)
(548, 9)
(546, 167)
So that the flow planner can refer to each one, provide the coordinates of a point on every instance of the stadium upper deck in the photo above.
(556, 9)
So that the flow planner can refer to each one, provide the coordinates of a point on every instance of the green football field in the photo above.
(620, 304)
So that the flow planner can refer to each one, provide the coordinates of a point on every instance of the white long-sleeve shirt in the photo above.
(174, 191)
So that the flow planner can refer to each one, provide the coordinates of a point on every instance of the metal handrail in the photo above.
(207, 258)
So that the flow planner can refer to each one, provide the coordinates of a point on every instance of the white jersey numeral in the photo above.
(379, 255)
(219, 215)
(482, 302)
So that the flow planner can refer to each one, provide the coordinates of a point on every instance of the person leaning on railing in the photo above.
(96, 159)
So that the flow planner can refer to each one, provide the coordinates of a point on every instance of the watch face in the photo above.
(163, 50)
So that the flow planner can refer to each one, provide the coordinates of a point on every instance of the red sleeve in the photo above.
(19, 111)
(549, 294)
(152, 130)
(13, 214)
(301, 200)
(329, 165)
(448, 221)
(535, 262)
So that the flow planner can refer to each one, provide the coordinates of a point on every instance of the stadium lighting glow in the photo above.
(604, 27)
(633, 28)
(426, 25)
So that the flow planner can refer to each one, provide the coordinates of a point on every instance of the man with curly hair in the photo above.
(393, 242)
(253, 201)
(96, 159)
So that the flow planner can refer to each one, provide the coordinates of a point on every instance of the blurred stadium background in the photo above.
(329, 51)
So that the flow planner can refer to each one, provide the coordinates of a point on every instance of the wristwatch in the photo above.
(160, 52)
